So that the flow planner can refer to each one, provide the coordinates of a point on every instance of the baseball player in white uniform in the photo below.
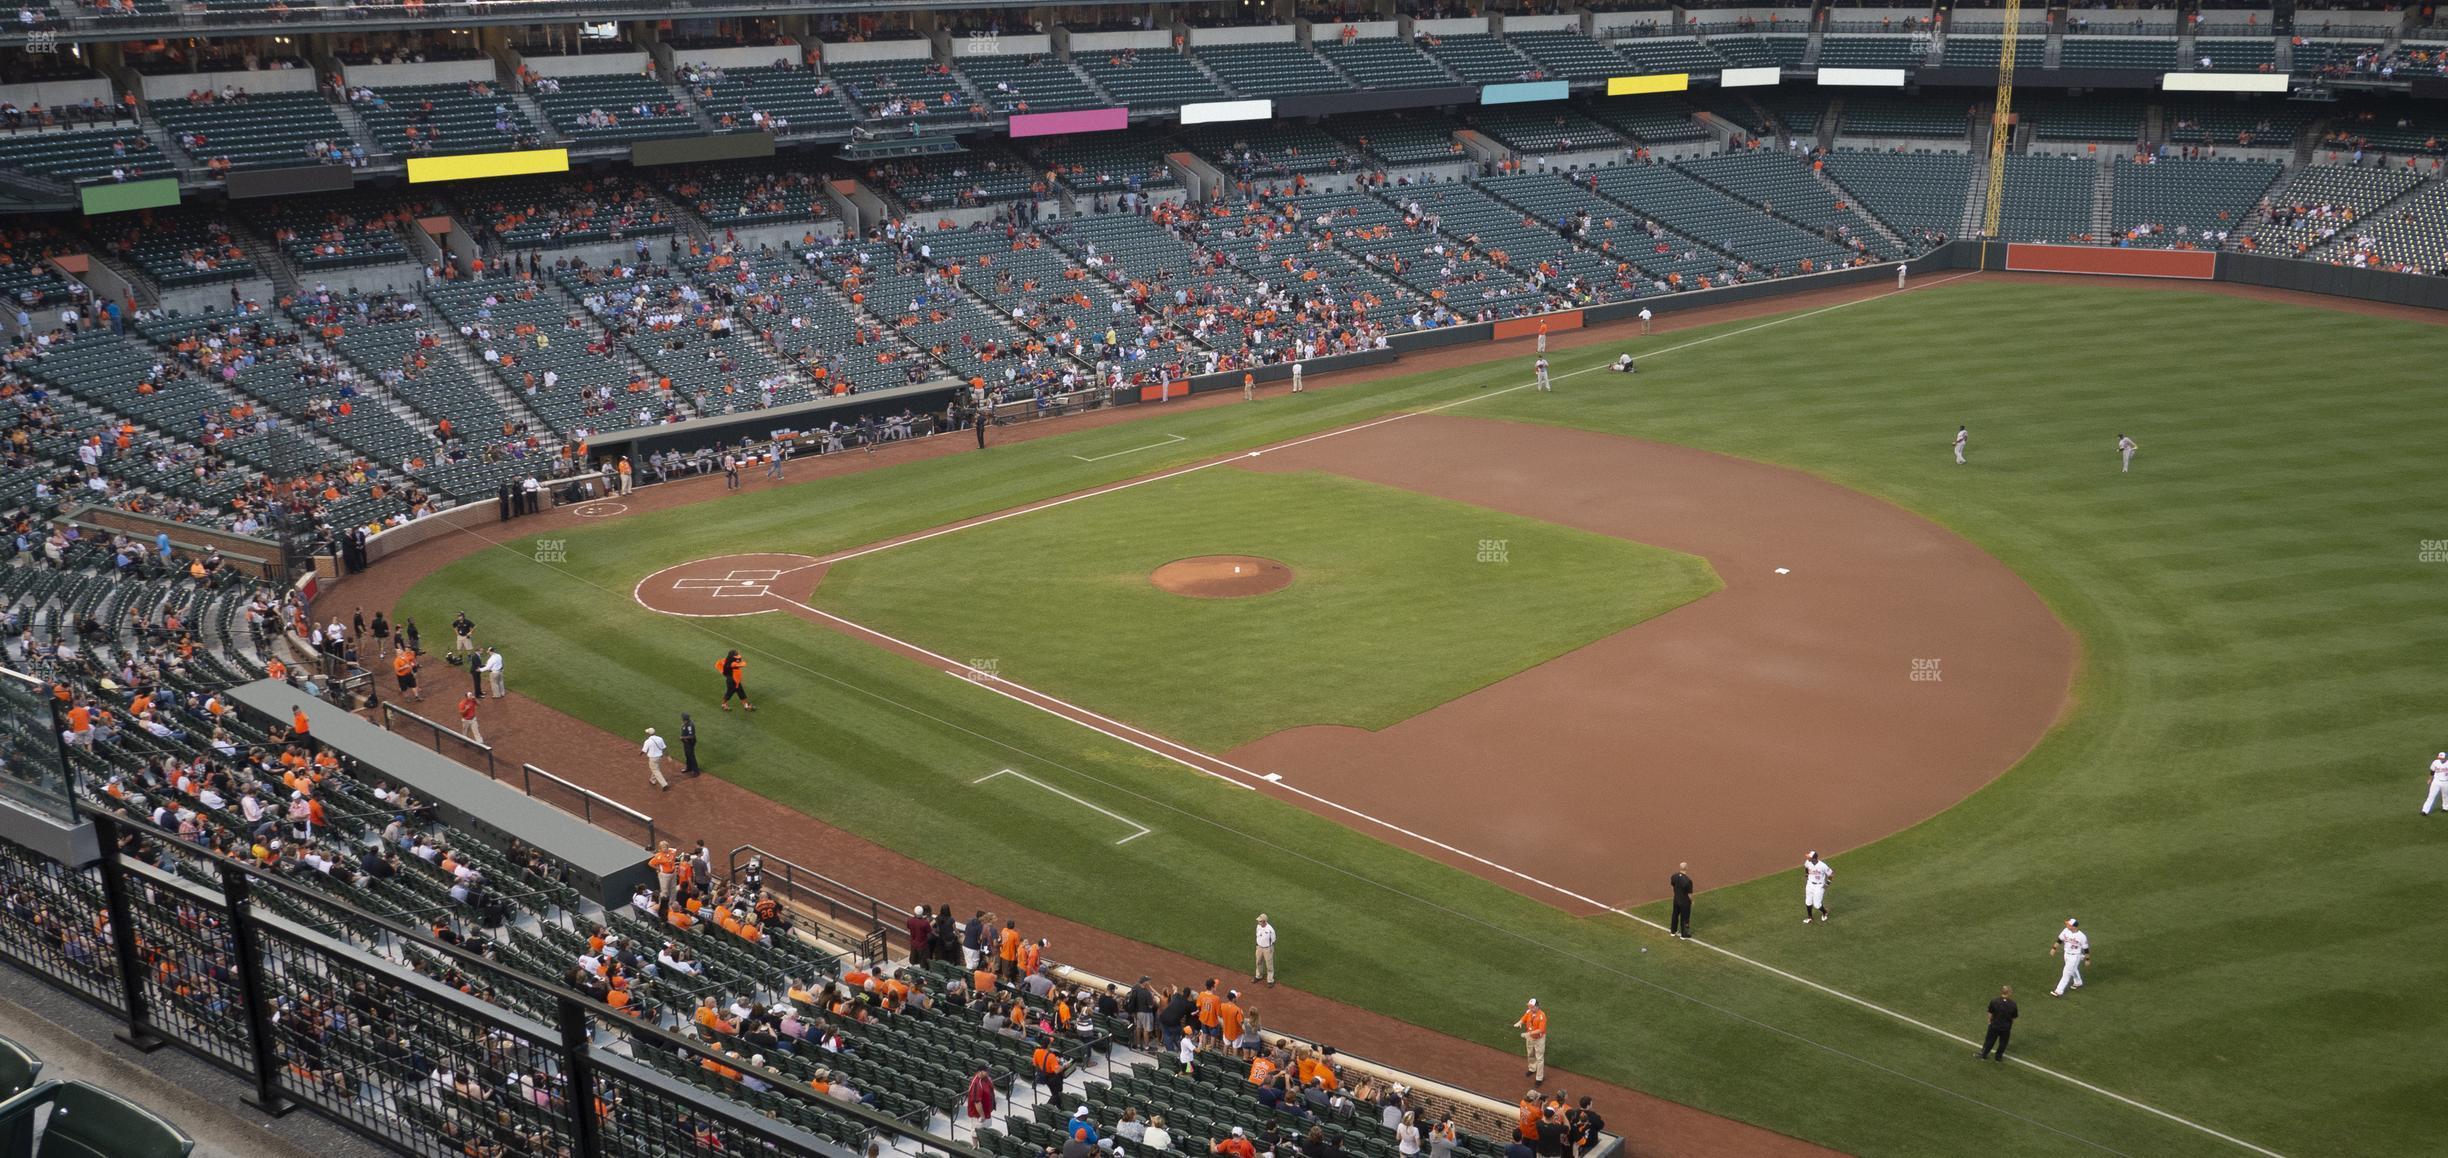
(2439, 785)
(2073, 944)
(2125, 449)
(1901, 270)
(1646, 317)
(1296, 377)
(1543, 383)
(1815, 874)
(1963, 434)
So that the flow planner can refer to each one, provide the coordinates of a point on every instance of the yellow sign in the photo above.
(1632, 85)
(473, 165)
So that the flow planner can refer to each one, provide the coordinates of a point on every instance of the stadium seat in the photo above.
(19, 1069)
(1916, 194)
(87, 1121)
(1266, 70)
(1385, 64)
(2174, 202)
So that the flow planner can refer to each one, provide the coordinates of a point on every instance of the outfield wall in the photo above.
(2286, 273)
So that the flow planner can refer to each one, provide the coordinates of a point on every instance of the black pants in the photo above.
(981, 435)
(688, 752)
(732, 687)
(1679, 924)
(1996, 1037)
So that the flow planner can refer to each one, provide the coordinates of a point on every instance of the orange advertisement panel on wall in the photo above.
(2112, 262)
(1164, 392)
(1557, 323)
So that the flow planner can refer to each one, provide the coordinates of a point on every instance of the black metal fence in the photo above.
(427, 1047)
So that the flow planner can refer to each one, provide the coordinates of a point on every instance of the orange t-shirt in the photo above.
(1010, 950)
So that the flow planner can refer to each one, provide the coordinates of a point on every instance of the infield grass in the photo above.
(1396, 605)
(2229, 806)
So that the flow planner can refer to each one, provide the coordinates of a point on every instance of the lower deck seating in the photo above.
(2046, 198)
(1919, 195)
(2177, 202)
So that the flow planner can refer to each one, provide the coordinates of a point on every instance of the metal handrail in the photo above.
(810, 889)
(390, 709)
(575, 1009)
(588, 798)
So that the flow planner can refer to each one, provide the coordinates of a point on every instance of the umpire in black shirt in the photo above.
(2002, 1013)
(1679, 924)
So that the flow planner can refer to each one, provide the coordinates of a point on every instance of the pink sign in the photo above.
(1079, 121)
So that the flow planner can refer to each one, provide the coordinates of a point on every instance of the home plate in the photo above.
(1784, 570)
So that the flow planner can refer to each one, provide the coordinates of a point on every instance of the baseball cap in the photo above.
(1237, 1132)
(2071, 922)
(650, 731)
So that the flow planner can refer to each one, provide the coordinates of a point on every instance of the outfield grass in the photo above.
(2229, 806)
(1391, 611)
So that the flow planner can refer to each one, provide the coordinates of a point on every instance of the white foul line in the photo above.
(1143, 829)
(1338, 432)
(1168, 440)
(1182, 754)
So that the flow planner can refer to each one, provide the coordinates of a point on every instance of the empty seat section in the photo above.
(1785, 185)
(1039, 84)
(1679, 203)
(254, 131)
(806, 101)
(2174, 202)
(1919, 195)
(613, 107)
(1545, 128)
(1479, 58)
(1401, 138)
(443, 118)
(1155, 79)
(2234, 54)
(2046, 199)
(1267, 70)
(1264, 150)
(1669, 54)
(1570, 55)
(2143, 54)
(922, 94)
(1391, 64)
(1873, 51)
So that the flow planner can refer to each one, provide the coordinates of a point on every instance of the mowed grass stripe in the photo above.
(2124, 798)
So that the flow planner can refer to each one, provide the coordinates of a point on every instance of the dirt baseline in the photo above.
(1888, 670)
(1222, 576)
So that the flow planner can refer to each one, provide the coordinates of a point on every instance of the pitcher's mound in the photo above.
(1222, 576)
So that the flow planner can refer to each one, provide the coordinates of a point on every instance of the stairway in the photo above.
(269, 261)
(2103, 196)
(358, 131)
(1976, 199)
(545, 133)
(629, 363)
(1890, 236)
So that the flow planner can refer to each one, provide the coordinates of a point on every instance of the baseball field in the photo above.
(1525, 651)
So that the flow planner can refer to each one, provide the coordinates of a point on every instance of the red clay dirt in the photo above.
(726, 586)
(725, 815)
(1222, 576)
(1890, 670)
